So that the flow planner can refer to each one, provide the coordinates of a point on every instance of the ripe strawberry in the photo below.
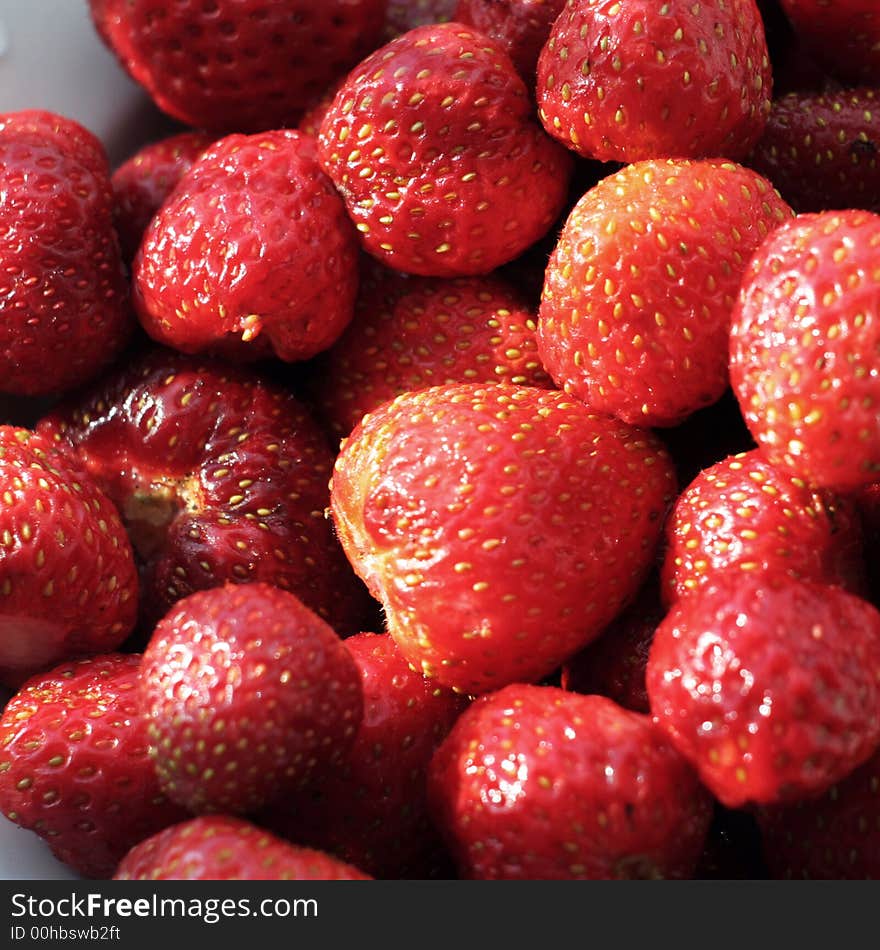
(237, 65)
(496, 502)
(252, 255)
(843, 34)
(614, 664)
(821, 150)
(74, 766)
(404, 15)
(411, 334)
(805, 335)
(835, 837)
(635, 315)
(68, 584)
(219, 475)
(625, 81)
(536, 783)
(142, 184)
(63, 296)
(432, 144)
(372, 810)
(520, 26)
(770, 686)
(743, 513)
(249, 695)
(220, 848)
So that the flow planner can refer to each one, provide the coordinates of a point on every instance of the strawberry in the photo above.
(237, 65)
(834, 837)
(372, 810)
(74, 766)
(252, 255)
(536, 783)
(219, 475)
(743, 513)
(68, 582)
(63, 296)
(626, 81)
(821, 150)
(143, 182)
(222, 848)
(432, 144)
(614, 664)
(770, 686)
(638, 294)
(843, 34)
(804, 339)
(404, 15)
(521, 26)
(494, 502)
(413, 334)
(249, 695)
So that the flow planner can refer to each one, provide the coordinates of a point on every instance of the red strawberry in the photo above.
(635, 315)
(409, 335)
(536, 783)
(502, 527)
(625, 81)
(68, 584)
(237, 65)
(614, 664)
(805, 336)
(249, 695)
(141, 184)
(432, 144)
(372, 810)
(405, 15)
(252, 255)
(63, 296)
(835, 837)
(220, 848)
(74, 766)
(219, 475)
(521, 26)
(821, 151)
(769, 686)
(743, 513)
(843, 34)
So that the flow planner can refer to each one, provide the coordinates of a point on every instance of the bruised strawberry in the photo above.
(743, 513)
(68, 584)
(409, 335)
(821, 150)
(530, 519)
(803, 351)
(249, 695)
(252, 255)
(237, 65)
(74, 765)
(405, 15)
(520, 26)
(372, 810)
(768, 685)
(63, 295)
(433, 146)
(834, 837)
(143, 183)
(638, 294)
(536, 783)
(614, 664)
(843, 34)
(219, 476)
(626, 81)
(221, 848)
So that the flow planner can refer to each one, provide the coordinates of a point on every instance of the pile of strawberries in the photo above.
(456, 452)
